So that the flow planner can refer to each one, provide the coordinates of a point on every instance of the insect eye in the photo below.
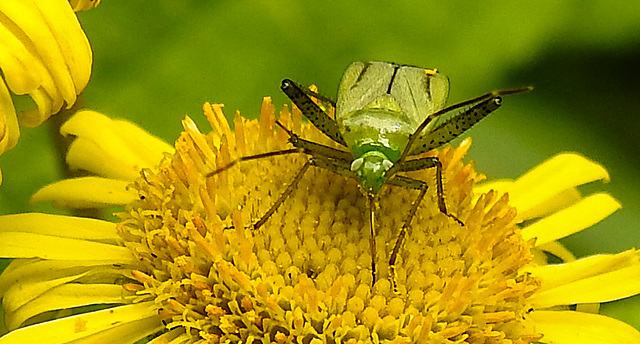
(498, 101)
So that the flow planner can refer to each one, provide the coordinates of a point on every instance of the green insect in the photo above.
(385, 114)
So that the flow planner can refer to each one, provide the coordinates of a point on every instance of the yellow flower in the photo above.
(182, 265)
(83, 5)
(46, 55)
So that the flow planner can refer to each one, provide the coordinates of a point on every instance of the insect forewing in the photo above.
(419, 92)
(362, 83)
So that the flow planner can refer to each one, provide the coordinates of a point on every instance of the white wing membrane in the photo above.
(362, 83)
(418, 92)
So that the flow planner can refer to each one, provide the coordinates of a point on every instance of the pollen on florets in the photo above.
(305, 276)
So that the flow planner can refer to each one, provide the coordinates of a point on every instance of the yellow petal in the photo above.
(83, 5)
(575, 218)
(588, 308)
(86, 192)
(130, 332)
(86, 155)
(45, 54)
(551, 179)
(29, 245)
(42, 286)
(84, 325)
(9, 129)
(593, 279)
(66, 296)
(168, 337)
(25, 72)
(567, 327)
(147, 146)
(45, 107)
(26, 290)
(607, 287)
(76, 55)
(500, 185)
(526, 212)
(49, 224)
(37, 269)
(558, 274)
(555, 248)
(40, 40)
(119, 143)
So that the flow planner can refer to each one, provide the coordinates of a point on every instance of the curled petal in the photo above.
(43, 53)
(86, 192)
(83, 5)
(584, 280)
(126, 147)
(567, 327)
(128, 322)
(548, 187)
(572, 219)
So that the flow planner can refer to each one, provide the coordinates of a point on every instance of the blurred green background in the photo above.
(153, 64)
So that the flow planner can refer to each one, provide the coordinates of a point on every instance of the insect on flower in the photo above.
(385, 114)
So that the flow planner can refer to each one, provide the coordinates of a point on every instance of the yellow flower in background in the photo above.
(182, 265)
(44, 54)
(84, 5)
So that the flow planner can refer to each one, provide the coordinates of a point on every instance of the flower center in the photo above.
(305, 275)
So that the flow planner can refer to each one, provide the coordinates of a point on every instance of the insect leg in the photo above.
(283, 196)
(312, 111)
(485, 99)
(455, 126)
(253, 157)
(318, 96)
(372, 238)
(343, 167)
(316, 149)
(422, 164)
(413, 184)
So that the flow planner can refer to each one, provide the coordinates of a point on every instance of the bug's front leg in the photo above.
(482, 106)
(413, 184)
(423, 164)
(312, 111)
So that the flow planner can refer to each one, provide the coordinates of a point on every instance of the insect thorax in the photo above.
(381, 130)
(376, 137)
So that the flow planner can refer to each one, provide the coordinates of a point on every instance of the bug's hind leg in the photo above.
(422, 186)
(287, 192)
(413, 184)
(422, 164)
(372, 236)
(284, 195)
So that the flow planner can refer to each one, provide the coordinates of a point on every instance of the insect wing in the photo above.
(362, 83)
(419, 92)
